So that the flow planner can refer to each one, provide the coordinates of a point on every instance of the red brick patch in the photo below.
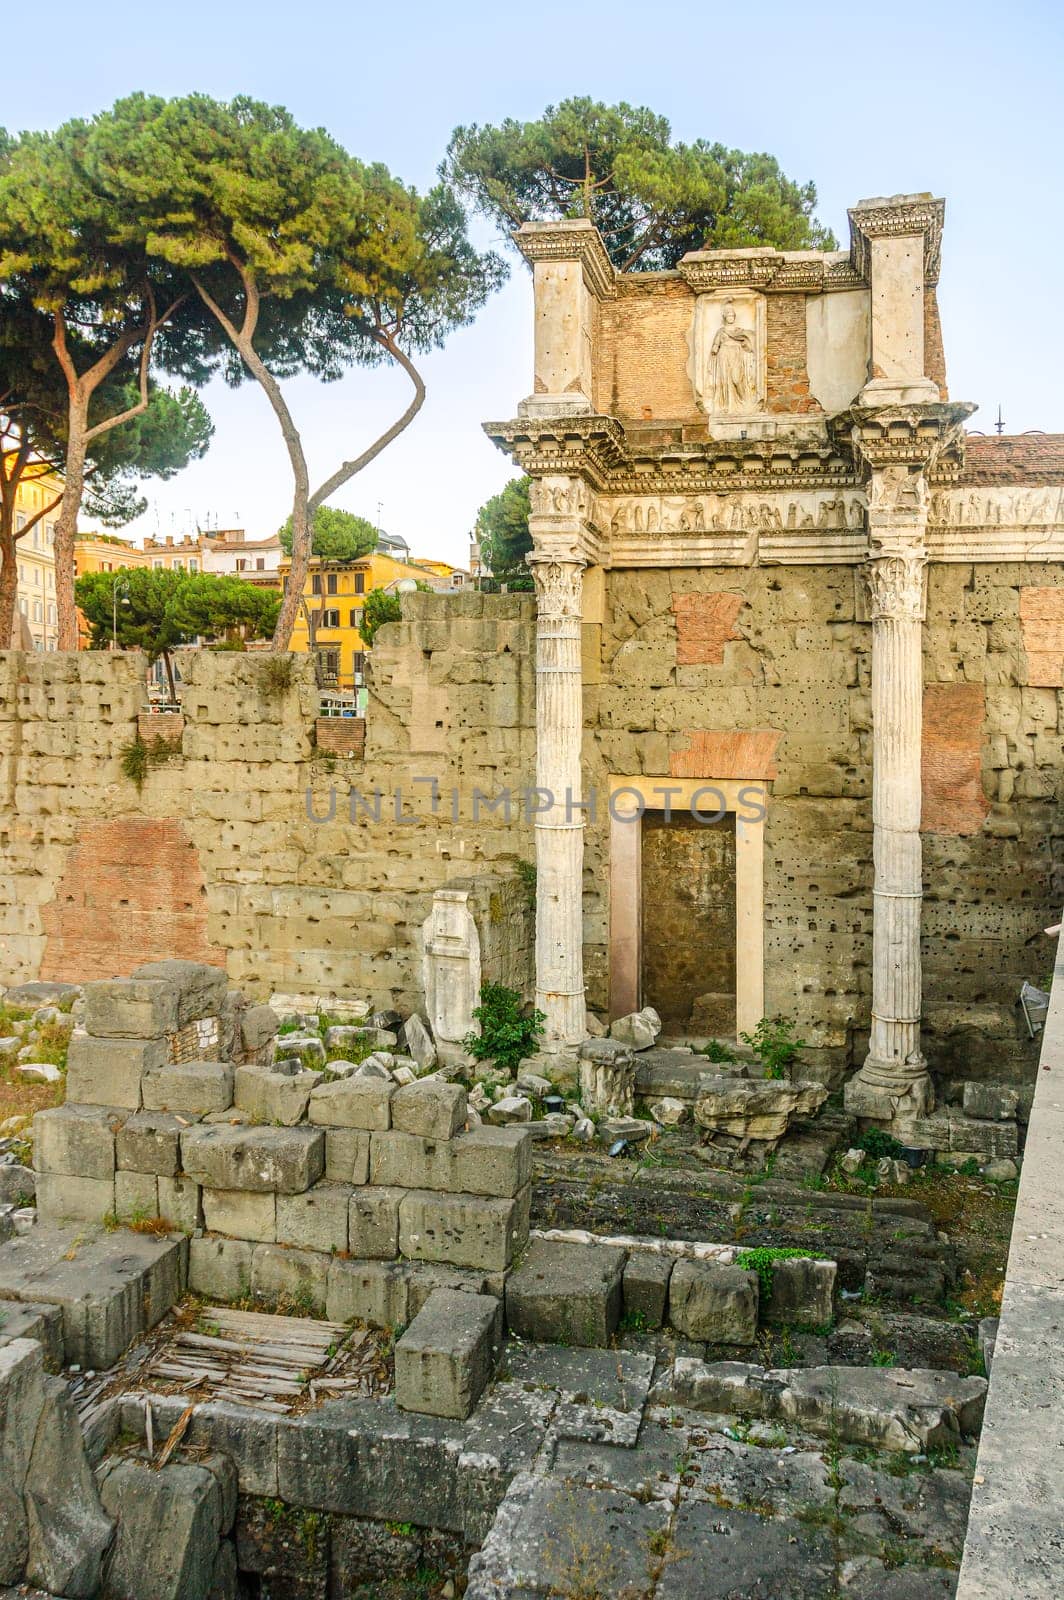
(132, 891)
(1042, 626)
(704, 624)
(727, 755)
(341, 736)
(953, 801)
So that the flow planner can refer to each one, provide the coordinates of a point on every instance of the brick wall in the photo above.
(786, 371)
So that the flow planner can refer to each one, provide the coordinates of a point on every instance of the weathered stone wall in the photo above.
(750, 672)
(216, 857)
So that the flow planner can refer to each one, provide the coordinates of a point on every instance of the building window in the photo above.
(36, 536)
(158, 565)
(37, 576)
(49, 534)
(193, 564)
(20, 521)
(360, 583)
(329, 665)
(356, 617)
(241, 563)
(51, 613)
(358, 661)
(315, 583)
(24, 607)
(330, 619)
(330, 583)
(37, 613)
(260, 563)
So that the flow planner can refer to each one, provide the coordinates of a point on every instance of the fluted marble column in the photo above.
(893, 1084)
(558, 574)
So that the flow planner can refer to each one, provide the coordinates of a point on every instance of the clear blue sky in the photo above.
(961, 100)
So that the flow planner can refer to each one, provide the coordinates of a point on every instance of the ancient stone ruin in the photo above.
(313, 1282)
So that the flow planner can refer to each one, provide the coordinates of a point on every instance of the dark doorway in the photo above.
(688, 916)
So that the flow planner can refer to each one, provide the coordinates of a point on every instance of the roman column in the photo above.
(894, 1083)
(557, 569)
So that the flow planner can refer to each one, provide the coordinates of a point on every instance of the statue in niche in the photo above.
(733, 366)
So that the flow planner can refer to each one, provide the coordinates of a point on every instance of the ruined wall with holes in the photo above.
(216, 857)
(765, 673)
(758, 673)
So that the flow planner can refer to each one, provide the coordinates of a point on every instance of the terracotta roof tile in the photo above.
(1014, 459)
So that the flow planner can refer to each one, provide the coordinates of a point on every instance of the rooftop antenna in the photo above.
(999, 425)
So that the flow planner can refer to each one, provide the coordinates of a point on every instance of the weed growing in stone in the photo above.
(774, 1044)
(506, 1034)
(761, 1258)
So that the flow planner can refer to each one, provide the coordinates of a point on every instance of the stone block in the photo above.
(263, 1160)
(566, 1293)
(353, 1103)
(119, 1008)
(463, 1230)
(714, 1303)
(492, 1161)
(430, 1108)
(150, 1141)
(169, 1522)
(405, 1161)
(317, 1219)
(76, 1140)
(424, 1279)
(108, 1072)
(754, 1108)
(415, 1041)
(802, 1291)
(639, 1031)
(258, 1025)
(969, 1135)
(241, 1214)
(195, 1087)
(200, 988)
(990, 1102)
(62, 1199)
(347, 1155)
(17, 1184)
(180, 1203)
(32, 1320)
(646, 1288)
(111, 1287)
(444, 1359)
(220, 1269)
(136, 1196)
(374, 1292)
(374, 1222)
(271, 1096)
(290, 1280)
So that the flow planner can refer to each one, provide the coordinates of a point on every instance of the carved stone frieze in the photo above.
(559, 497)
(648, 515)
(1027, 506)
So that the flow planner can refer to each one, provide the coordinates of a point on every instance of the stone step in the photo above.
(110, 1287)
(909, 1410)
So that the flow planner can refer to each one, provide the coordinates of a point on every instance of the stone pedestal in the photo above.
(451, 972)
(607, 1088)
(557, 570)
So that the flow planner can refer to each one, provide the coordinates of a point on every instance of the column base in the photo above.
(890, 1091)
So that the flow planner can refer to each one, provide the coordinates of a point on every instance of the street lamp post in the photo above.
(119, 587)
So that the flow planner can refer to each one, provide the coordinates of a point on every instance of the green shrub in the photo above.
(877, 1144)
(773, 1042)
(716, 1051)
(506, 1035)
(761, 1258)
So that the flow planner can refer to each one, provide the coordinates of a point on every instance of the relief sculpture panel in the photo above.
(728, 353)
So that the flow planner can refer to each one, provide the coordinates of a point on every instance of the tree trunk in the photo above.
(170, 677)
(67, 526)
(8, 580)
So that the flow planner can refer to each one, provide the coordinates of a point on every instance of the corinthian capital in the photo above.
(559, 583)
(896, 585)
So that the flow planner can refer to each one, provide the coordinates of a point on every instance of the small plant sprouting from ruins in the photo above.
(526, 871)
(774, 1044)
(877, 1143)
(717, 1050)
(762, 1259)
(138, 756)
(507, 1035)
(277, 675)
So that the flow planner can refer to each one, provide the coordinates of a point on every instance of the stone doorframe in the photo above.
(626, 893)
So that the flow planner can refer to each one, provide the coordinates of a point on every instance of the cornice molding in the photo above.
(770, 271)
(575, 240)
(899, 216)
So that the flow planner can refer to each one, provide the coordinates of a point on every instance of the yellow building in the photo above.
(35, 559)
(334, 595)
(102, 552)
